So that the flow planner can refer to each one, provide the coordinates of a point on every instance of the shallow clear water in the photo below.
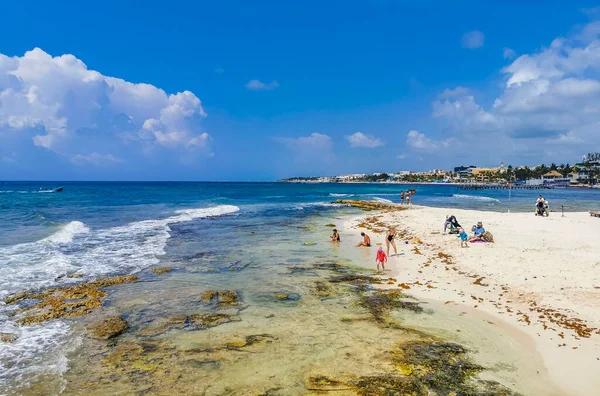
(247, 237)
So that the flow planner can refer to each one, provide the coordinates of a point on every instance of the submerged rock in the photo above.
(281, 296)
(162, 270)
(380, 302)
(108, 328)
(223, 298)
(163, 325)
(205, 321)
(185, 322)
(251, 340)
(59, 302)
(329, 225)
(8, 338)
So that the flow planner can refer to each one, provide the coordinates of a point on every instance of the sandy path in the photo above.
(542, 275)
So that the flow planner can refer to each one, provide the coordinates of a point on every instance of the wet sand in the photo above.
(540, 279)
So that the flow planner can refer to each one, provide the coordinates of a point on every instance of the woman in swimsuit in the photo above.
(389, 240)
(336, 236)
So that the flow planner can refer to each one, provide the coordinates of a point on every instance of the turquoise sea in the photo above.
(242, 236)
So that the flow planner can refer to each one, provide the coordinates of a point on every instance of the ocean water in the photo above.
(248, 237)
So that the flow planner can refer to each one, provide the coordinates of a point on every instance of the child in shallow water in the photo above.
(464, 238)
(381, 258)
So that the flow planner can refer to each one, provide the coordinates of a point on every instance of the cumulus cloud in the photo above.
(257, 85)
(508, 53)
(359, 139)
(419, 142)
(64, 107)
(473, 39)
(551, 97)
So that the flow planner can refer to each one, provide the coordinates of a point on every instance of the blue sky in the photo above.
(238, 90)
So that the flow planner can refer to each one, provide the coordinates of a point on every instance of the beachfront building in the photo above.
(349, 178)
(587, 171)
(464, 171)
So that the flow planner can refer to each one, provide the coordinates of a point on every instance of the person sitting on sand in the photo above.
(389, 240)
(463, 238)
(336, 236)
(381, 258)
(478, 232)
(366, 240)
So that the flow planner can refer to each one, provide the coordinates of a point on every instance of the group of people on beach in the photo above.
(405, 197)
(479, 233)
(382, 256)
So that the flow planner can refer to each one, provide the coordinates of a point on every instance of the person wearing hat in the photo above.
(336, 236)
(478, 232)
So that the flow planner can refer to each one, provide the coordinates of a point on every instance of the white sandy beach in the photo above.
(541, 277)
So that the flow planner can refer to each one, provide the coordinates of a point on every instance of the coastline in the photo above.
(537, 278)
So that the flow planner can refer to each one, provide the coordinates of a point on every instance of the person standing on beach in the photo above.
(366, 240)
(408, 196)
(389, 240)
(402, 197)
(381, 258)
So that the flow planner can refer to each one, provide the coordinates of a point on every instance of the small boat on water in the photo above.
(51, 190)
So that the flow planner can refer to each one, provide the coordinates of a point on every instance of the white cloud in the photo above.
(474, 39)
(95, 158)
(315, 141)
(508, 53)
(257, 85)
(359, 139)
(419, 142)
(453, 93)
(62, 106)
(551, 97)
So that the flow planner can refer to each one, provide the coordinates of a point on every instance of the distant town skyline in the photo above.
(267, 90)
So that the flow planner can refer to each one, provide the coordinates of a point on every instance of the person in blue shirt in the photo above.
(478, 232)
(463, 238)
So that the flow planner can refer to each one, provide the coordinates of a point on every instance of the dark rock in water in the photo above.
(326, 384)
(163, 325)
(209, 295)
(205, 321)
(281, 296)
(238, 266)
(59, 302)
(251, 340)
(108, 328)
(444, 368)
(380, 302)
(183, 322)
(301, 271)
(223, 298)
(329, 225)
(8, 338)
(269, 316)
(162, 270)
(390, 385)
(322, 289)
